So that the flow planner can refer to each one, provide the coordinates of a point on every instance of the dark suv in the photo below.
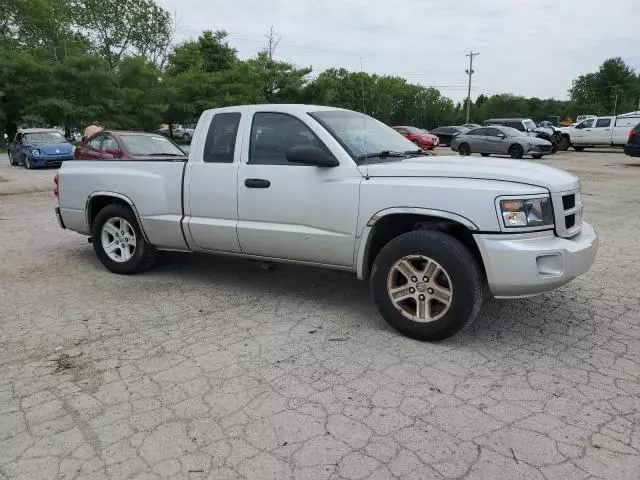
(528, 126)
(632, 148)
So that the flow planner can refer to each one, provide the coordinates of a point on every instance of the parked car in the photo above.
(39, 147)
(501, 141)
(470, 126)
(599, 132)
(526, 125)
(109, 145)
(632, 148)
(446, 134)
(426, 141)
(428, 232)
(184, 132)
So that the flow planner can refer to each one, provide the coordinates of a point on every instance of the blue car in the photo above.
(40, 147)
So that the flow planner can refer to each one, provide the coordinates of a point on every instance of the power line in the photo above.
(470, 73)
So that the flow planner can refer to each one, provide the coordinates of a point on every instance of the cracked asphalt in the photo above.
(214, 368)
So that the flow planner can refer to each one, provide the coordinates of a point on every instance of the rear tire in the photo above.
(456, 271)
(143, 255)
(516, 151)
(11, 159)
(537, 156)
(464, 149)
(578, 149)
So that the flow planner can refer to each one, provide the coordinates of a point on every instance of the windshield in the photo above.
(414, 130)
(141, 145)
(44, 137)
(529, 124)
(361, 134)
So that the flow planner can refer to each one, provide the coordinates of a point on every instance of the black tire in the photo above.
(464, 149)
(485, 154)
(466, 283)
(516, 151)
(144, 255)
(186, 137)
(11, 160)
(27, 163)
(578, 149)
(564, 143)
(537, 156)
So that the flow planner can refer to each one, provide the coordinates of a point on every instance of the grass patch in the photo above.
(3, 150)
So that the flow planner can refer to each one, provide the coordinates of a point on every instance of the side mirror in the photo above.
(111, 151)
(313, 156)
(529, 129)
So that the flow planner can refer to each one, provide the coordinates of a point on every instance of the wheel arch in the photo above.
(390, 223)
(100, 199)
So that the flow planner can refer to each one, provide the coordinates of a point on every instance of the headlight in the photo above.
(533, 212)
(35, 152)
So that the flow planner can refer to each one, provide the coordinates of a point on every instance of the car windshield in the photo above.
(529, 124)
(362, 135)
(512, 132)
(414, 130)
(44, 137)
(142, 145)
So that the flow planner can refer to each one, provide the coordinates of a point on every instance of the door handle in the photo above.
(587, 129)
(256, 183)
(607, 129)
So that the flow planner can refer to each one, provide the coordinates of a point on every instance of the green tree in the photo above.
(597, 91)
(116, 28)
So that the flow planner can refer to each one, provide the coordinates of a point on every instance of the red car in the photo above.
(421, 138)
(112, 145)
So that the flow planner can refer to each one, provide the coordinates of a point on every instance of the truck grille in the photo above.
(567, 208)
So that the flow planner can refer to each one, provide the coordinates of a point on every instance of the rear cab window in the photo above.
(220, 144)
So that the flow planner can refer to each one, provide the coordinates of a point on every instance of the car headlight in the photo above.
(532, 212)
(35, 152)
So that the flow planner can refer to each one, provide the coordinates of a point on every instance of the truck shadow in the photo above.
(328, 292)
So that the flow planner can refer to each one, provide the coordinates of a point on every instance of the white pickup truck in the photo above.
(599, 132)
(334, 188)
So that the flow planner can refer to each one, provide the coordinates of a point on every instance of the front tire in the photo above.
(27, 163)
(464, 149)
(564, 143)
(186, 137)
(427, 285)
(485, 154)
(578, 149)
(516, 151)
(118, 241)
(537, 156)
(11, 159)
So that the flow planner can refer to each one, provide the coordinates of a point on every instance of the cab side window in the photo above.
(603, 123)
(274, 134)
(220, 145)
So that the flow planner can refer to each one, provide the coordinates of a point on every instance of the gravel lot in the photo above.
(213, 368)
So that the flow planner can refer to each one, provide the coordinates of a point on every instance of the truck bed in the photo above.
(154, 187)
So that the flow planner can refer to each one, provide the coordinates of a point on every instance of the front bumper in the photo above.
(522, 265)
(49, 160)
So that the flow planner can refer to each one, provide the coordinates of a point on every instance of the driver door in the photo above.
(582, 133)
(291, 211)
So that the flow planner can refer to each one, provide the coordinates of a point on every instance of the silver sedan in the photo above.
(501, 141)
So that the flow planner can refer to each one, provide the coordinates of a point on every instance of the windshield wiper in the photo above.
(382, 154)
(167, 155)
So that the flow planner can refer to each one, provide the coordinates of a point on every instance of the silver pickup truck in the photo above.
(334, 188)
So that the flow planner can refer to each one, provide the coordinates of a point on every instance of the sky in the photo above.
(527, 47)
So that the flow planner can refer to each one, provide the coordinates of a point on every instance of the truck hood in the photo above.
(517, 171)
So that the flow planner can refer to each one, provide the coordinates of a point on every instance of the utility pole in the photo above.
(470, 73)
(615, 102)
